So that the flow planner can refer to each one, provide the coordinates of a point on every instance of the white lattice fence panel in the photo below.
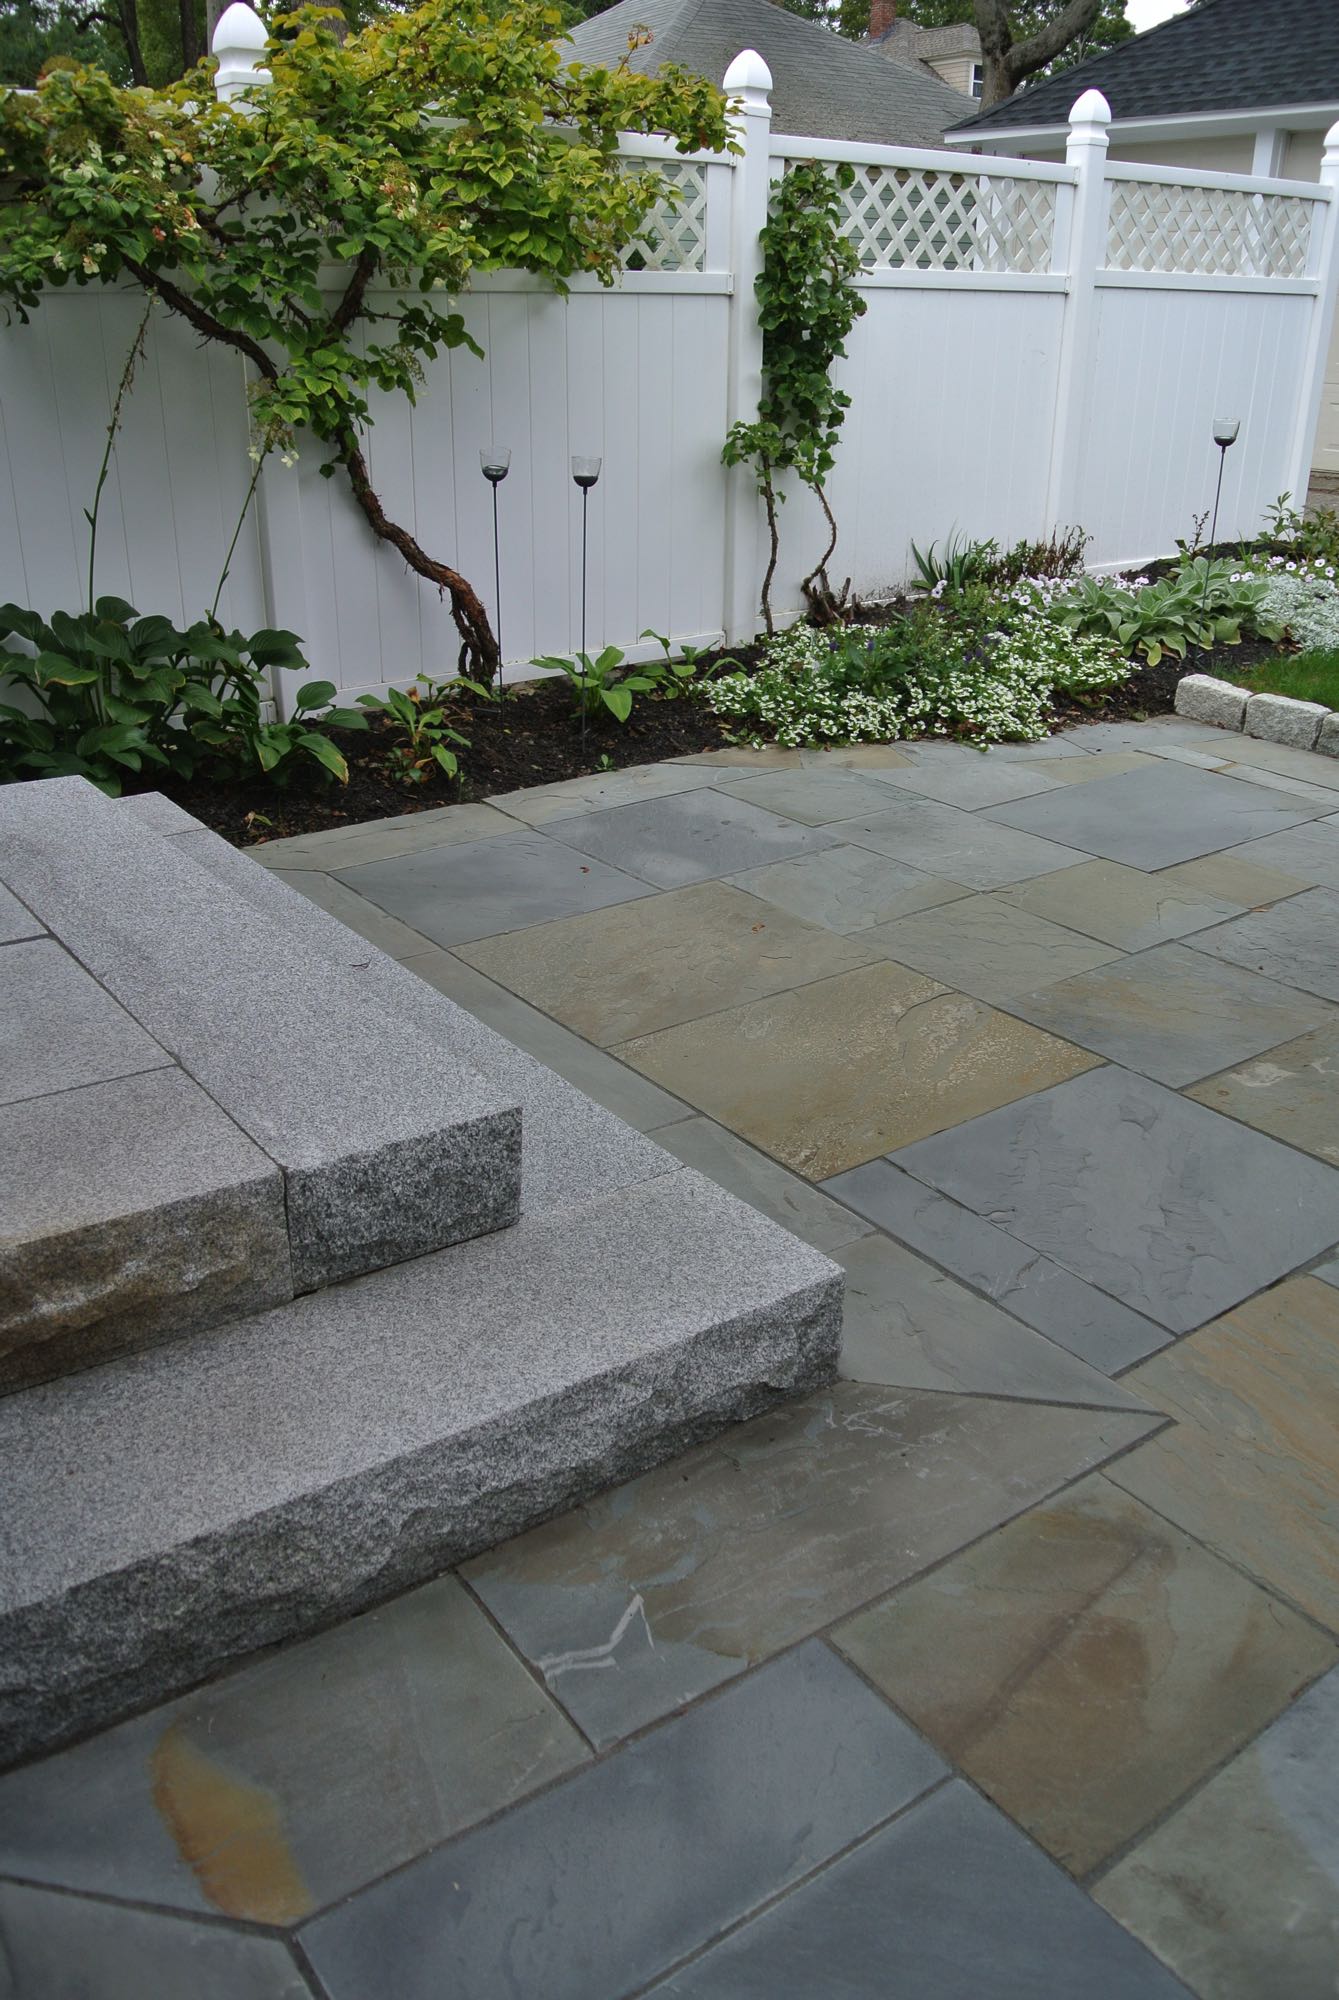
(674, 235)
(1207, 232)
(921, 219)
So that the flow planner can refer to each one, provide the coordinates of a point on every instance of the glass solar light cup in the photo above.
(1225, 434)
(495, 464)
(585, 471)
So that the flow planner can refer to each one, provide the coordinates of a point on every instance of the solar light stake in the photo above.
(495, 464)
(1225, 430)
(585, 471)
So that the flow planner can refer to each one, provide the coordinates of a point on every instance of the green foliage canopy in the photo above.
(326, 229)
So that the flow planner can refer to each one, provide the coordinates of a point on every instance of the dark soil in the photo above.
(534, 738)
(531, 738)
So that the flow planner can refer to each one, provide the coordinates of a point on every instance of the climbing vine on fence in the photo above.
(807, 304)
(325, 228)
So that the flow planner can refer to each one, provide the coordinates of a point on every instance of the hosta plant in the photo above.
(1204, 602)
(110, 696)
(422, 735)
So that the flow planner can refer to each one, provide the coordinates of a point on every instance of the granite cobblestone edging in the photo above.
(1277, 718)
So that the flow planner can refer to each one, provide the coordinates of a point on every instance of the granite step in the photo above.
(171, 1511)
(571, 1148)
(387, 1149)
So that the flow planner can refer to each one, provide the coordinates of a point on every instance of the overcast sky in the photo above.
(1147, 13)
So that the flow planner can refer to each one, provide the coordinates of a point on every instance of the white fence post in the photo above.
(1086, 153)
(1323, 264)
(749, 79)
(239, 41)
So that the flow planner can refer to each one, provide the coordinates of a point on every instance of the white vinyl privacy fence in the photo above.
(1044, 345)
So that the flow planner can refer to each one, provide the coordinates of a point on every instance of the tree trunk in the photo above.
(1006, 63)
(192, 45)
(478, 648)
(129, 21)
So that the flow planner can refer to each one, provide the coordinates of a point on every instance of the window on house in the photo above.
(976, 79)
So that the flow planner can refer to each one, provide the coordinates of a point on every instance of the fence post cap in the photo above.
(1331, 158)
(239, 27)
(1090, 109)
(748, 76)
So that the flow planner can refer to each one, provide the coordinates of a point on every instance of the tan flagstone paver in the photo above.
(1291, 1092)
(1123, 906)
(1249, 884)
(673, 957)
(1085, 1665)
(1250, 1465)
(832, 1074)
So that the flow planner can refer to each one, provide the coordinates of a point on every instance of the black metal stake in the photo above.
(585, 496)
(1222, 461)
(497, 584)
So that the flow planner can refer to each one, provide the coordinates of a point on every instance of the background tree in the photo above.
(1032, 27)
(135, 41)
(431, 145)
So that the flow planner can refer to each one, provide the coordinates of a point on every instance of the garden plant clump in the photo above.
(981, 664)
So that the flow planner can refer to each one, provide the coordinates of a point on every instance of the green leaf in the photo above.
(114, 608)
(618, 701)
(324, 751)
(316, 694)
(54, 670)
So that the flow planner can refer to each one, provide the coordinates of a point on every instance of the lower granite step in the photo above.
(171, 1511)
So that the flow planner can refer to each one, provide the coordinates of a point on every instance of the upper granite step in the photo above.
(387, 1148)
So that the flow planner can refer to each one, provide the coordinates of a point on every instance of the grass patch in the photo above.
(1310, 676)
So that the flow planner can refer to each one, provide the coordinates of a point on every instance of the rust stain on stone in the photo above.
(228, 1832)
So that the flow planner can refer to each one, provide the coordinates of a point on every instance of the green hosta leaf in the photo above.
(618, 700)
(324, 752)
(316, 694)
(446, 758)
(114, 608)
(55, 670)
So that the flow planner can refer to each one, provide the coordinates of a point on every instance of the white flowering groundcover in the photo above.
(801, 692)
(1001, 689)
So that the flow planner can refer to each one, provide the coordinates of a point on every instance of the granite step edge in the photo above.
(172, 1512)
(380, 1161)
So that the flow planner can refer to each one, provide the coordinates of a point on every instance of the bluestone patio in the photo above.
(1007, 1666)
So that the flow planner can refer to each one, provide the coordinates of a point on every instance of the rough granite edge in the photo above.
(120, 1643)
(1270, 718)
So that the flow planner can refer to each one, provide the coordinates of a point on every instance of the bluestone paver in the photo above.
(481, 887)
(52, 1944)
(1172, 1013)
(689, 837)
(1296, 943)
(959, 846)
(1178, 1212)
(642, 1598)
(1150, 819)
(1239, 1890)
(847, 888)
(1090, 1323)
(988, 948)
(274, 1791)
(1122, 906)
(949, 1901)
(911, 1326)
(628, 1867)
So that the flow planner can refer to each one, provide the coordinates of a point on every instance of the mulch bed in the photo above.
(534, 738)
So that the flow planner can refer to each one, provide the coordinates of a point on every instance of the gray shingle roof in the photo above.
(823, 87)
(1224, 55)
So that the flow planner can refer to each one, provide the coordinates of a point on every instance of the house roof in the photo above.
(823, 87)
(1222, 55)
